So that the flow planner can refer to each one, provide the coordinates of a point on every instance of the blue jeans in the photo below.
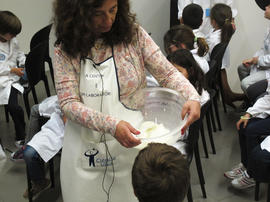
(250, 137)
(34, 164)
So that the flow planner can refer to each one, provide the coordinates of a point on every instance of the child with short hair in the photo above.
(224, 27)
(11, 58)
(193, 17)
(182, 37)
(160, 173)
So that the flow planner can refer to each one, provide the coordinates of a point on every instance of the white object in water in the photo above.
(150, 129)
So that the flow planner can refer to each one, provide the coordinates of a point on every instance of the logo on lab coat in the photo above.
(100, 160)
(2, 57)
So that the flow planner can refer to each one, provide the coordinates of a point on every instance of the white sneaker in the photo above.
(19, 143)
(243, 182)
(236, 172)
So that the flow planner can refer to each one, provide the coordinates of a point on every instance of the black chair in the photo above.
(35, 69)
(192, 148)
(213, 77)
(174, 13)
(39, 37)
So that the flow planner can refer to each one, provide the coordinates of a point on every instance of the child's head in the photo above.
(182, 36)
(221, 18)
(192, 16)
(10, 25)
(160, 173)
(184, 61)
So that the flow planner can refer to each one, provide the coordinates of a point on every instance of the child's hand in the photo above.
(18, 71)
(247, 62)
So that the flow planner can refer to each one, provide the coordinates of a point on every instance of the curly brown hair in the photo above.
(73, 25)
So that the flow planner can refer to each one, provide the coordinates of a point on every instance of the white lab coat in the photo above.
(49, 140)
(261, 108)
(10, 56)
(202, 61)
(206, 5)
(212, 40)
(264, 57)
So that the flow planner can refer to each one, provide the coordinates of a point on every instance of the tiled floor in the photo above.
(218, 189)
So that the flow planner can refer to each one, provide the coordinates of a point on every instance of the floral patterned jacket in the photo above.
(131, 61)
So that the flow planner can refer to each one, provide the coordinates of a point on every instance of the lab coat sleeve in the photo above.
(264, 61)
(181, 5)
(261, 108)
(4, 69)
(20, 55)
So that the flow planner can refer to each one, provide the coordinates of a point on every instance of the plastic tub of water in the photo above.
(161, 109)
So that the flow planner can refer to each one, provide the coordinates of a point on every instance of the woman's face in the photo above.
(181, 69)
(104, 16)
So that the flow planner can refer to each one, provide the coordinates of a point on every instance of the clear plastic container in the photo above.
(162, 106)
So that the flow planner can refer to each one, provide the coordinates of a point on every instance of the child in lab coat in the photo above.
(223, 24)
(11, 58)
(41, 145)
(182, 37)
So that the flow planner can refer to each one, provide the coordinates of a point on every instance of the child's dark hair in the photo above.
(183, 34)
(160, 173)
(192, 16)
(9, 23)
(185, 59)
(222, 14)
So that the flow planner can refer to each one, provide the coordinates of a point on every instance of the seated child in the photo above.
(184, 61)
(41, 145)
(224, 27)
(257, 68)
(192, 16)
(251, 127)
(11, 58)
(182, 37)
(160, 173)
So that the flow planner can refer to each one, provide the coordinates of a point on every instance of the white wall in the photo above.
(34, 14)
(251, 26)
(153, 15)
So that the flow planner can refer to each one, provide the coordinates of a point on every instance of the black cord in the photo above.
(103, 139)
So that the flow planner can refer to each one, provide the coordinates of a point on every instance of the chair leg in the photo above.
(189, 194)
(222, 98)
(45, 80)
(268, 192)
(203, 141)
(199, 168)
(34, 95)
(217, 113)
(212, 117)
(257, 189)
(51, 164)
(29, 185)
(6, 113)
(26, 104)
(210, 132)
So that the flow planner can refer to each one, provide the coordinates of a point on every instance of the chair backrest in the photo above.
(215, 63)
(35, 63)
(40, 36)
(174, 13)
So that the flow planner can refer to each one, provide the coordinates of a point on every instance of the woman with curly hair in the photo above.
(101, 56)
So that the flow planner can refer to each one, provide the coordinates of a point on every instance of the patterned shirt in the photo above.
(131, 61)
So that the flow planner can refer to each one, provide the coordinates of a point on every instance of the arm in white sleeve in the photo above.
(264, 61)
(261, 108)
(4, 69)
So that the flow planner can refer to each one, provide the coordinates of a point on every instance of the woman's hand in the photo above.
(17, 71)
(252, 61)
(243, 120)
(193, 109)
(123, 134)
